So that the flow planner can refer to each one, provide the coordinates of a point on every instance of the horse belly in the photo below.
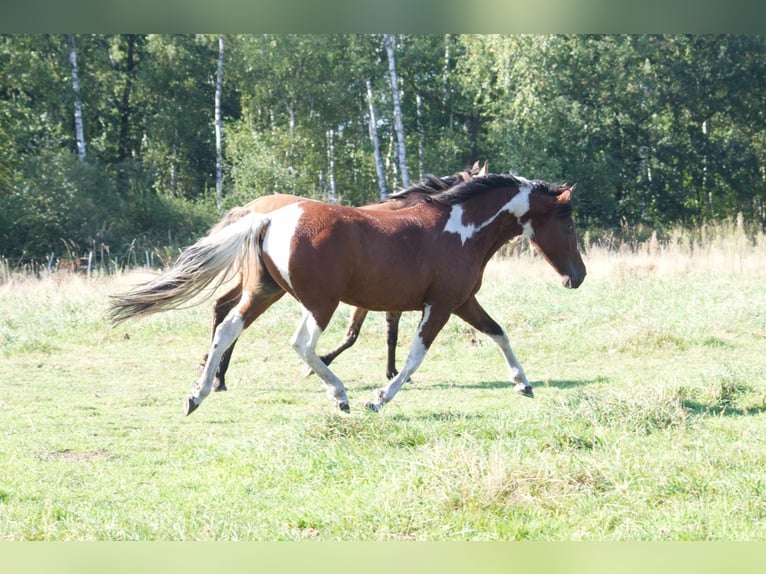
(389, 279)
(381, 296)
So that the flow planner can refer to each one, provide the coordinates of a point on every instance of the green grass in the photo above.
(649, 421)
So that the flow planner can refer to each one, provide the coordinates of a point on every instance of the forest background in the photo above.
(115, 144)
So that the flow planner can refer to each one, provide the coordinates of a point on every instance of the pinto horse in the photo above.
(268, 203)
(428, 257)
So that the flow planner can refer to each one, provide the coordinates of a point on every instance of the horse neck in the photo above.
(490, 219)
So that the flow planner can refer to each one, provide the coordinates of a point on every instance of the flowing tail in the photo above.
(211, 260)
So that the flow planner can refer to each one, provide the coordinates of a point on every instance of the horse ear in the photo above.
(475, 165)
(483, 171)
(566, 195)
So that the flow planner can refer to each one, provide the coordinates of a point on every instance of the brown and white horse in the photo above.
(268, 203)
(428, 257)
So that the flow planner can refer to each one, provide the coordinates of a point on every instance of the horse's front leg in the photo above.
(304, 342)
(475, 315)
(432, 322)
(352, 333)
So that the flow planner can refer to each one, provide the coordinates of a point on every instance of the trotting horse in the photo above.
(268, 203)
(428, 257)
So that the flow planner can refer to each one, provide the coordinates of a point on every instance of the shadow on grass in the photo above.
(558, 384)
(439, 416)
(570, 383)
(717, 409)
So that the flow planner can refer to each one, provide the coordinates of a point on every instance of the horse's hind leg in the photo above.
(304, 342)
(352, 333)
(250, 306)
(392, 336)
(225, 334)
(222, 307)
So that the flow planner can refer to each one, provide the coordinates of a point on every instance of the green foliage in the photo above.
(654, 129)
(255, 168)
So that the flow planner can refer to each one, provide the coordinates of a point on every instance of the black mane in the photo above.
(429, 185)
(466, 190)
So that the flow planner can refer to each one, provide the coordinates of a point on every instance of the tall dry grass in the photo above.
(730, 246)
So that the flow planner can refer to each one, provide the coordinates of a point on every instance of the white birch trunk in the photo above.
(333, 198)
(78, 126)
(398, 126)
(445, 79)
(174, 151)
(421, 131)
(219, 129)
(379, 167)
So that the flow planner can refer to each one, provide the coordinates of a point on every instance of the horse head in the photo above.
(554, 235)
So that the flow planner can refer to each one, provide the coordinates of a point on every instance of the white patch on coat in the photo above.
(455, 224)
(527, 230)
(519, 203)
(517, 206)
(277, 241)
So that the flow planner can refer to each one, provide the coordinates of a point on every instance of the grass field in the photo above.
(649, 421)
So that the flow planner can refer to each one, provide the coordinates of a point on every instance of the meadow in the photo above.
(649, 421)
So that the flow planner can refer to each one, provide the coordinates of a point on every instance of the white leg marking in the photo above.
(515, 371)
(225, 334)
(304, 342)
(278, 238)
(414, 359)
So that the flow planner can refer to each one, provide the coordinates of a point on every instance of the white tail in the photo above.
(204, 265)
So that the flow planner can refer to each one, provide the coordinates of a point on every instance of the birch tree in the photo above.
(421, 131)
(379, 167)
(78, 124)
(125, 104)
(219, 129)
(398, 126)
(333, 191)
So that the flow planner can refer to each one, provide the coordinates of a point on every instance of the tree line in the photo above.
(141, 139)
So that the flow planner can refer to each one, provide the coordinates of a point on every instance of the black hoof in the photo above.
(221, 388)
(373, 407)
(189, 405)
(345, 407)
(526, 392)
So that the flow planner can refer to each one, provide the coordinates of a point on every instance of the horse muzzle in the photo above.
(573, 280)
